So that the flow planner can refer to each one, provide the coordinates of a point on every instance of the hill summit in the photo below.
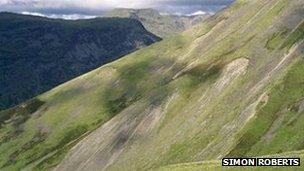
(161, 25)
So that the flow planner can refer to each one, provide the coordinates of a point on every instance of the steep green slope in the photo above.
(278, 124)
(40, 53)
(160, 25)
(216, 90)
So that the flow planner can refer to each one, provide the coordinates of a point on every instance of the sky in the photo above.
(75, 9)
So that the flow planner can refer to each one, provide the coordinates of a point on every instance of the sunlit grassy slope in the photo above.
(232, 86)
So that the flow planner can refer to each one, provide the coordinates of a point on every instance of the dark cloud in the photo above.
(190, 6)
(99, 7)
(196, 2)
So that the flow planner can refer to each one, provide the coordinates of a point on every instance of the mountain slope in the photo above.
(231, 86)
(40, 53)
(160, 25)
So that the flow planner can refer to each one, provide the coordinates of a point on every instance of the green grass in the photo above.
(13, 119)
(295, 37)
(20, 114)
(13, 157)
(52, 161)
(73, 136)
(275, 40)
(288, 136)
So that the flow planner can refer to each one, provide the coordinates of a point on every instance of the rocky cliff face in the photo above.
(37, 53)
(160, 25)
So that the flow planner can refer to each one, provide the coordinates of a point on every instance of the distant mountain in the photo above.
(160, 25)
(38, 53)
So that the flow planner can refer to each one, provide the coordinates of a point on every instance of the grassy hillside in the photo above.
(160, 25)
(216, 90)
(40, 53)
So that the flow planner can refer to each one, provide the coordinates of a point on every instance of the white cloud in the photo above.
(200, 12)
(63, 16)
(72, 16)
(2, 2)
(33, 13)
